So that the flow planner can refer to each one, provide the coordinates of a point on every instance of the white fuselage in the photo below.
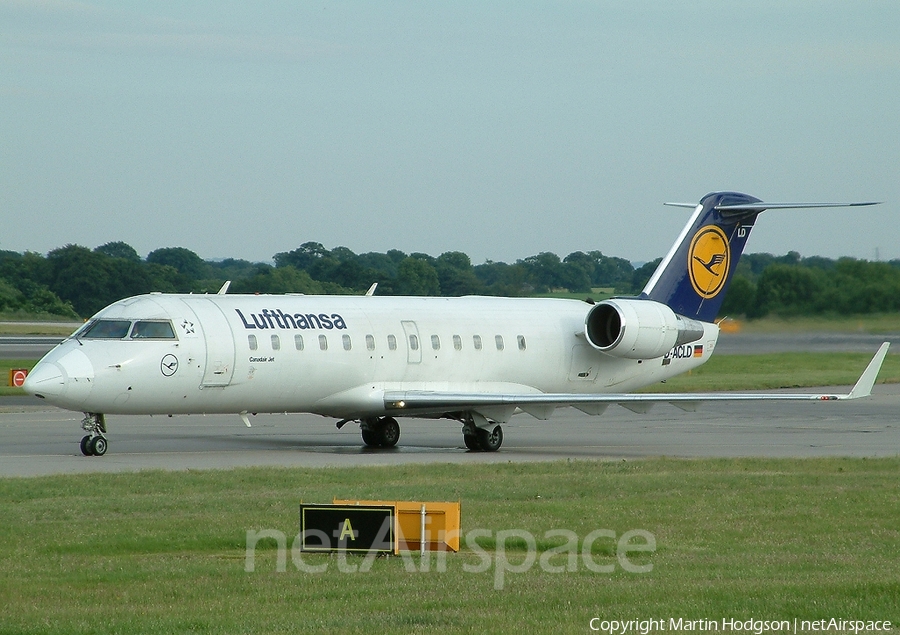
(337, 355)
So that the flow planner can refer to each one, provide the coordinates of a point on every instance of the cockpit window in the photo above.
(153, 329)
(119, 329)
(106, 330)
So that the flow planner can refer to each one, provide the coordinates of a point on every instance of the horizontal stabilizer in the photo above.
(761, 206)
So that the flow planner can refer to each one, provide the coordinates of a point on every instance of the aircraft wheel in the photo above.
(390, 432)
(86, 445)
(370, 437)
(490, 440)
(472, 442)
(98, 446)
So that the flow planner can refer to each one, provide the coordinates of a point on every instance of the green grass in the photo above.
(874, 323)
(8, 328)
(36, 324)
(158, 552)
(778, 370)
(5, 366)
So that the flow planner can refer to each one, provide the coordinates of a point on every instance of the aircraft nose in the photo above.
(45, 380)
(64, 378)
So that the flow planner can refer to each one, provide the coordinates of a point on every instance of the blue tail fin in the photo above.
(693, 277)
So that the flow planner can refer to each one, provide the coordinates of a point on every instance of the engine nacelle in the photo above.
(638, 329)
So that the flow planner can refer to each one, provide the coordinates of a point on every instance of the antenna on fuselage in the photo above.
(224, 288)
(371, 290)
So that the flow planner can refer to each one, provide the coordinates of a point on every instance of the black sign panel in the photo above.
(347, 528)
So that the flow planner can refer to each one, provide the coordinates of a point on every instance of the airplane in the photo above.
(372, 359)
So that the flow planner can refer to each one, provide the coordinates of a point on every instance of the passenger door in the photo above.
(219, 339)
(413, 343)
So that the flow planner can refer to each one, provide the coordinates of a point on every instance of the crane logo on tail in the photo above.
(709, 258)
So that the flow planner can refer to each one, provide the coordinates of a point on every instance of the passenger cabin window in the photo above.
(346, 341)
(435, 342)
(392, 343)
(370, 343)
(106, 330)
(476, 339)
(498, 340)
(413, 342)
(153, 330)
(457, 342)
(521, 340)
(323, 343)
(276, 343)
(251, 341)
(298, 342)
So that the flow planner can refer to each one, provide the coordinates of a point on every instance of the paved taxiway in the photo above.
(38, 440)
(35, 440)
(753, 343)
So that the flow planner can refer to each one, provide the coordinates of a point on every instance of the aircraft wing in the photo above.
(541, 405)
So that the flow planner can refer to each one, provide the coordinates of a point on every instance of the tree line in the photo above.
(791, 285)
(75, 281)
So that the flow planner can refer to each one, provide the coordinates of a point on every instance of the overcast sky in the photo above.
(501, 129)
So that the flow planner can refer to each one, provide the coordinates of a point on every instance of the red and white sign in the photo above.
(17, 376)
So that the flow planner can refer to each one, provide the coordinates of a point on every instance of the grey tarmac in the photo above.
(819, 342)
(35, 440)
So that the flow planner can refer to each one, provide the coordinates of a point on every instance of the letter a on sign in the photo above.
(347, 530)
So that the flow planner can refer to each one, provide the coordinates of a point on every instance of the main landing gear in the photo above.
(380, 433)
(94, 444)
(484, 440)
(480, 435)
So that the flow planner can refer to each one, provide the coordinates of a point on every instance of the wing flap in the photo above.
(542, 412)
(687, 406)
(639, 407)
(593, 409)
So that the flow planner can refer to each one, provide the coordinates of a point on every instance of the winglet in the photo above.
(863, 387)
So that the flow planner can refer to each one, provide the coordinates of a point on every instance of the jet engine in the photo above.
(638, 329)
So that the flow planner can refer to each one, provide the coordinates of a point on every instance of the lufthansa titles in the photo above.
(276, 318)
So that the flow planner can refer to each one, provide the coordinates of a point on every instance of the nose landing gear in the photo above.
(94, 444)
